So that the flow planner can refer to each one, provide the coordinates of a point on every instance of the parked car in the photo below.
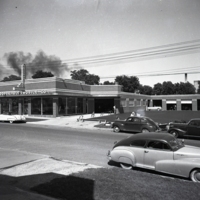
(12, 118)
(156, 108)
(183, 129)
(159, 152)
(135, 124)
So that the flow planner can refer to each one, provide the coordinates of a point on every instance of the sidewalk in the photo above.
(78, 121)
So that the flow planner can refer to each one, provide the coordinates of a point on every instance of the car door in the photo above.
(193, 128)
(134, 125)
(156, 151)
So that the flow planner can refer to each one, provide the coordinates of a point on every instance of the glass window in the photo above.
(130, 119)
(79, 105)
(158, 145)
(36, 106)
(62, 106)
(71, 106)
(131, 103)
(123, 103)
(25, 106)
(47, 104)
(4, 105)
(138, 143)
(14, 106)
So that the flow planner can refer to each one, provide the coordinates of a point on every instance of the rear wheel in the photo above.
(195, 175)
(145, 130)
(116, 129)
(126, 166)
(174, 133)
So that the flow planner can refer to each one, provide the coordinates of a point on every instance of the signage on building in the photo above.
(31, 92)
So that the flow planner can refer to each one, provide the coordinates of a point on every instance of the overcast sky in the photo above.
(71, 29)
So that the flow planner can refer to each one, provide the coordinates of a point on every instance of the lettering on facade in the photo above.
(35, 92)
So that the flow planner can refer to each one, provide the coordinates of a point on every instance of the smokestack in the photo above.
(23, 74)
(185, 77)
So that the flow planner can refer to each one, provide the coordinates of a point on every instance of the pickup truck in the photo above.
(190, 129)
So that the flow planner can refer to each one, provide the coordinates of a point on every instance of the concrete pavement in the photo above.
(15, 164)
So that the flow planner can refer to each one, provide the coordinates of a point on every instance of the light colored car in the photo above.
(160, 152)
(158, 108)
(12, 118)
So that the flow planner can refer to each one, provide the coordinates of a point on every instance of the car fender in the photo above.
(123, 156)
(181, 167)
(182, 132)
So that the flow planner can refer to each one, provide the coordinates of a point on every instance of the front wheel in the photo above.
(195, 175)
(145, 130)
(174, 133)
(116, 129)
(126, 166)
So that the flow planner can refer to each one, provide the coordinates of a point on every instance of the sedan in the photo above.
(160, 152)
(12, 118)
(135, 124)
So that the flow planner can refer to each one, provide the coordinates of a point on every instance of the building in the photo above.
(54, 97)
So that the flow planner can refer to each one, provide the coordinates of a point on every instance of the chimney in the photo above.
(23, 74)
(185, 77)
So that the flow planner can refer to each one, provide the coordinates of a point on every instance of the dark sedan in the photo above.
(135, 124)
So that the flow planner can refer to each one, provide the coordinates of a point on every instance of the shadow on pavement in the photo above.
(49, 184)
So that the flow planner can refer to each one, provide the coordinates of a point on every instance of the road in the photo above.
(80, 145)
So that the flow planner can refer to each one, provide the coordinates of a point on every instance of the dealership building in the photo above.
(55, 96)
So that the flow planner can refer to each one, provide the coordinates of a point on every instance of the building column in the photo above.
(164, 104)
(194, 105)
(29, 106)
(151, 103)
(178, 104)
(90, 105)
(55, 106)
(10, 105)
(20, 106)
(117, 104)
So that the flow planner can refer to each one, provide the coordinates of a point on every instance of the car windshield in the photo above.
(176, 144)
(151, 121)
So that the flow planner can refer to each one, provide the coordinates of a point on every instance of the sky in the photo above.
(118, 37)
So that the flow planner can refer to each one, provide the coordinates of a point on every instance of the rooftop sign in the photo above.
(31, 92)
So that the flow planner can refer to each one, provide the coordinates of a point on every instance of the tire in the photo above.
(116, 129)
(195, 175)
(126, 166)
(145, 130)
(174, 133)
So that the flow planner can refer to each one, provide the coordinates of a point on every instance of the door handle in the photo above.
(145, 151)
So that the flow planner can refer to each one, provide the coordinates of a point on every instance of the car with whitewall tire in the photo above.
(160, 152)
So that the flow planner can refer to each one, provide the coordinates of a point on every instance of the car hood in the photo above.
(187, 152)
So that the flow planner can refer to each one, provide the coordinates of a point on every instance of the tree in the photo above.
(198, 90)
(83, 75)
(168, 88)
(42, 74)
(108, 83)
(129, 84)
(148, 90)
(157, 89)
(11, 78)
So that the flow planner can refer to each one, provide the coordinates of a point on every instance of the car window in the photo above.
(158, 145)
(138, 143)
(129, 119)
(136, 120)
(143, 120)
(194, 123)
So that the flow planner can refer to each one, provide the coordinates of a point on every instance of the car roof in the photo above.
(147, 136)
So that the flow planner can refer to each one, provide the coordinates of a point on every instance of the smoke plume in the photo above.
(40, 61)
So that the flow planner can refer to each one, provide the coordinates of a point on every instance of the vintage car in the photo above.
(155, 108)
(158, 151)
(135, 124)
(12, 118)
(181, 129)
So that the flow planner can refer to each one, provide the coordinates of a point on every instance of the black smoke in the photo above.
(40, 61)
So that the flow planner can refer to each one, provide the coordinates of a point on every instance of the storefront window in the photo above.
(4, 105)
(47, 104)
(25, 106)
(62, 106)
(14, 106)
(71, 106)
(80, 105)
(36, 106)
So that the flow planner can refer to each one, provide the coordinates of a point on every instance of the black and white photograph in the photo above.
(99, 99)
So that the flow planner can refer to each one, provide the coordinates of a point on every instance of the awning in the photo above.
(186, 101)
(171, 102)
